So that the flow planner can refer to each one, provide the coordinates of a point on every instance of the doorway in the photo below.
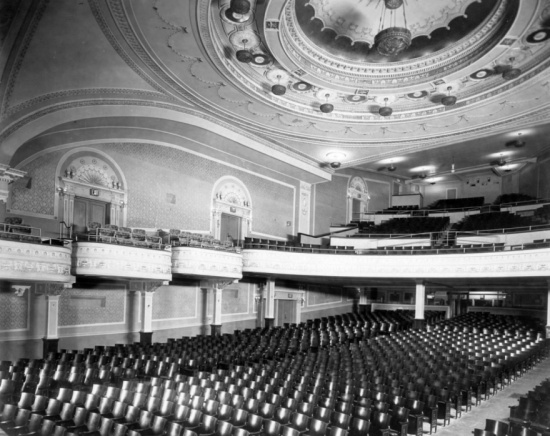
(356, 209)
(87, 211)
(286, 312)
(230, 228)
(451, 194)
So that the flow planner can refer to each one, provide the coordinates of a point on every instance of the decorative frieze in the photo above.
(206, 263)
(33, 262)
(526, 263)
(108, 260)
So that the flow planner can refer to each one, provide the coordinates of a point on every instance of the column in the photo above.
(420, 302)
(51, 292)
(548, 313)
(147, 291)
(366, 296)
(216, 326)
(269, 303)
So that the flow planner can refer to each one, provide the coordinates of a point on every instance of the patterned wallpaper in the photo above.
(235, 299)
(13, 311)
(40, 198)
(153, 172)
(92, 306)
(173, 302)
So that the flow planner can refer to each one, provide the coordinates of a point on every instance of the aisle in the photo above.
(497, 407)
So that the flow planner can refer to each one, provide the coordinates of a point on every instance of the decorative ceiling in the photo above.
(167, 61)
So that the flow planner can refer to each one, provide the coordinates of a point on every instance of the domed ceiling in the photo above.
(488, 57)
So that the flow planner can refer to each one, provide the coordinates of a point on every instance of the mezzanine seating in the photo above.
(458, 203)
(411, 225)
(490, 221)
(325, 377)
(180, 238)
(113, 234)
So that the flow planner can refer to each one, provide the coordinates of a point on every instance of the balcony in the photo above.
(26, 255)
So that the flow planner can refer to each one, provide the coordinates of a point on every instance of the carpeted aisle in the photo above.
(497, 407)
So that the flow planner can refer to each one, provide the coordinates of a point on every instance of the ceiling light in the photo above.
(385, 111)
(244, 55)
(336, 156)
(392, 40)
(241, 7)
(423, 169)
(449, 99)
(326, 108)
(278, 89)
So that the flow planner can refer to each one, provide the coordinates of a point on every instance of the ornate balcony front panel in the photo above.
(206, 263)
(119, 261)
(35, 262)
(521, 263)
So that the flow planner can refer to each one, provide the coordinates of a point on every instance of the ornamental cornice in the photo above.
(211, 263)
(395, 74)
(108, 260)
(527, 263)
(33, 262)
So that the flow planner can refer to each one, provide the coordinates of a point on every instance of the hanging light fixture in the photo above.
(508, 71)
(241, 7)
(327, 108)
(385, 110)
(278, 89)
(449, 99)
(393, 39)
(244, 55)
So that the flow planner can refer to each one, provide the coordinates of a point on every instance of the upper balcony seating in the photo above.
(457, 203)
(514, 198)
(113, 234)
(13, 229)
(491, 221)
(409, 226)
(180, 238)
(326, 377)
(399, 209)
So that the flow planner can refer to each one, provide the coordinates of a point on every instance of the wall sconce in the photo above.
(19, 290)
(122, 204)
(62, 191)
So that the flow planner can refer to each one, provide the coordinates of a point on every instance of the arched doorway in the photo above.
(90, 187)
(231, 210)
(358, 198)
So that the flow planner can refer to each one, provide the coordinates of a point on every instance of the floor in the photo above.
(497, 406)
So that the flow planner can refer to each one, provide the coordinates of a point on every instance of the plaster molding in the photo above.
(34, 262)
(206, 263)
(527, 263)
(109, 260)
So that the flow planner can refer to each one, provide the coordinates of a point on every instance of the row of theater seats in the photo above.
(457, 203)
(491, 221)
(530, 417)
(411, 225)
(278, 381)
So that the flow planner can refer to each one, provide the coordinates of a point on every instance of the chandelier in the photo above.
(393, 35)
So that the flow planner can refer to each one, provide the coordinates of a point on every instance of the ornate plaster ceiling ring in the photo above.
(323, 68)
(227, 15)
(358, 20)
(417, 95)
(261, 60)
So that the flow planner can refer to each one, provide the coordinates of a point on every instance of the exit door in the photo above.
(87, 211)
(286, 312)
(230, 228)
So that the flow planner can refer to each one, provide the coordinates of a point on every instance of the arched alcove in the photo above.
(90, 186)
(358, 198)
(231, 205)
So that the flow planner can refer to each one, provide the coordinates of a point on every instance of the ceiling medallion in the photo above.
(538, 36)
(481, 74)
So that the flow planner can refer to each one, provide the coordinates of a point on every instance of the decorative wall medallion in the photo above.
(481, 74)
(538, 36)
(301, 87)
(261, 59)
(417, 95)
(355, 98)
